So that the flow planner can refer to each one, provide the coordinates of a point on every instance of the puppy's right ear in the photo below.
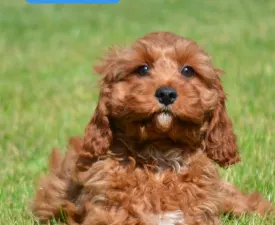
(98, 136)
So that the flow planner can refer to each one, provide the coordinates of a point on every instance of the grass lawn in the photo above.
(48, 91)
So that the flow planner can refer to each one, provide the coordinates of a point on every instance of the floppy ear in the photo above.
(220, 140)
(98, 135)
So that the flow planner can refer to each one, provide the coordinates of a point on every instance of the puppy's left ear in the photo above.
(220, 140)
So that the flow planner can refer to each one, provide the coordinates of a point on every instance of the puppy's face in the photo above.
(163, 85)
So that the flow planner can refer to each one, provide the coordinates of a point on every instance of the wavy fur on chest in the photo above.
(116, 192)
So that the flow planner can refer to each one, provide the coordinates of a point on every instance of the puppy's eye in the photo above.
(142, 70)
(188, 71)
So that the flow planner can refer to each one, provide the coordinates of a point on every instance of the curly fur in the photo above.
(142, 163)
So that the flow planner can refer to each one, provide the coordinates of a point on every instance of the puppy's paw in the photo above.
(172, 218)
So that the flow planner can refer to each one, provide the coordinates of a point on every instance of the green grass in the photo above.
(48, 92)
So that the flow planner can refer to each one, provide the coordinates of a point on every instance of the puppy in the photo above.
(148, 154)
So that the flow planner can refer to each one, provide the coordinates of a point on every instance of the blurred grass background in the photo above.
(48, 91)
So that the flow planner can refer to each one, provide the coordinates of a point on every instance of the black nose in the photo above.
(166, 95)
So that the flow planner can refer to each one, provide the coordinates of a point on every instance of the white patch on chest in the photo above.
(171, 218)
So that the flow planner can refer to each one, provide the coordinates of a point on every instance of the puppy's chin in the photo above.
(164, 121)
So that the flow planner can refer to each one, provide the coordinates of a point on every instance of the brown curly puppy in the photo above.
(148, 151)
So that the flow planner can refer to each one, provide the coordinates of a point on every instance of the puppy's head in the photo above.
(162, 87)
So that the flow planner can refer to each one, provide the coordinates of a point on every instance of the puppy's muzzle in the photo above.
(166, 95)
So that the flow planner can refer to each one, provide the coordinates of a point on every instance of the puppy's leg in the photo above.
(57, 191)
(239, 203)
(51, 194)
